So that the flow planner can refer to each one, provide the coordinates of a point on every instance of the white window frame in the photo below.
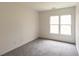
(54, 24)
(61, 25)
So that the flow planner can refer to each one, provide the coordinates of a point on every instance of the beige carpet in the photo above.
(44, 47)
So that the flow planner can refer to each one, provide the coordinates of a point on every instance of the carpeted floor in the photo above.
(44, 47)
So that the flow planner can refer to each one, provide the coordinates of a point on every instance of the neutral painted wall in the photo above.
(77, 27)
(44, 24)
(18, 25)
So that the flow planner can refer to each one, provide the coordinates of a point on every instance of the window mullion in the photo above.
(59, 25)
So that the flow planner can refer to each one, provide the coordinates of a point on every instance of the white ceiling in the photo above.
(41, 6)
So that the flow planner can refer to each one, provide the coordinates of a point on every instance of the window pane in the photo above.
(65, 29)
(54, 29)
(65, 19)
(54, 20)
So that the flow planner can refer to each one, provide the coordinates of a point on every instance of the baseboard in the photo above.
(56, 40)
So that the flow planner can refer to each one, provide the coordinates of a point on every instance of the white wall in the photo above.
(18, 25)
(77, 27)
(44, 24)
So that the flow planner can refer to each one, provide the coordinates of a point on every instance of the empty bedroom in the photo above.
(39, 28)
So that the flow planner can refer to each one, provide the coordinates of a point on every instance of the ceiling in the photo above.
(42, 6)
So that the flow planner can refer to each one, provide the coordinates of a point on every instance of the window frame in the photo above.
(54, 24)
(59, 29)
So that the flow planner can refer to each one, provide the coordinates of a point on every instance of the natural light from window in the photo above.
(65, 24)
(54, 24)
(60, 24)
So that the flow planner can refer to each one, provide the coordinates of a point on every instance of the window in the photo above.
(54, 24)
(60, 24)
(65, 24)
